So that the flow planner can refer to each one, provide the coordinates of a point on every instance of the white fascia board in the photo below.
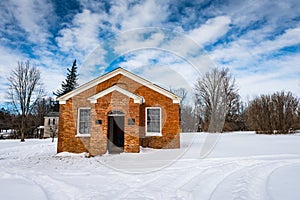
(62, 101)
(176, 101)
(136, 98)
(64, 98)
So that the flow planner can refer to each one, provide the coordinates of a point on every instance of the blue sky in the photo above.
(169, 42)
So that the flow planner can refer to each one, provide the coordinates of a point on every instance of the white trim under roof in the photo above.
(84, 87)
(136, 98)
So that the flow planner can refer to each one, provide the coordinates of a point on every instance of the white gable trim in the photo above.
(136, 98)
(64, 98)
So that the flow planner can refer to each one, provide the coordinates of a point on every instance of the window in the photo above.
(153, 121)
(53, 121)
(84, 118)
(49, 121)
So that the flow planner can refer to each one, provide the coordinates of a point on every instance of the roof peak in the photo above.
(124, 72)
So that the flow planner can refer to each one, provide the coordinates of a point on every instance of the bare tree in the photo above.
(25, 89)
(276, 113)
(181, 92)
(187, 119)
(41, 108)
(217, 94)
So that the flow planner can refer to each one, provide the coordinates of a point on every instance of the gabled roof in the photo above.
(142, 81)
(136, 98)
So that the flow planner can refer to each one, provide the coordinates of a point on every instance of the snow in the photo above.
(239, 165)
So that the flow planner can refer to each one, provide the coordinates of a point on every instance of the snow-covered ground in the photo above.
(238, 165)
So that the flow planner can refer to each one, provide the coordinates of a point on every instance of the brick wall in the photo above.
(134, 136)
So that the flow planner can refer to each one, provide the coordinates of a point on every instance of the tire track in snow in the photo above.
(201, 185)
(169, 182)
(52, 187)
(248, 182)
(270, 196)
(57, 189)
(14, 180)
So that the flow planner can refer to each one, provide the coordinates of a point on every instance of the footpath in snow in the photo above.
(240, 165)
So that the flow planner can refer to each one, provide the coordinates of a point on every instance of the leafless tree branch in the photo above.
(25, 89)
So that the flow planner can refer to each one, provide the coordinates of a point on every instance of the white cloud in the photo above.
(246, 51)
(29, 20)
(92, 65)
(8, 60)
(134, 39)
(149, 13)
(162, 40)
(275, 75)
(289, 38)
(82, 35)
(81, 38)
(51, 79)
(51, 71)
(275, 14)
(253, 86)
(33, 17)
(212, 30)
(81, 41)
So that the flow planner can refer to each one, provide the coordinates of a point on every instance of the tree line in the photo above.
(218, 108)
(18, 124)
(276, 113)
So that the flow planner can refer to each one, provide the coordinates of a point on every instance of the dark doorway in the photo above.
(115, 135)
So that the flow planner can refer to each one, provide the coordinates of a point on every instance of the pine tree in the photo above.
(70, 83)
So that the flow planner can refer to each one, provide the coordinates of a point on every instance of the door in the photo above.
(115, 142)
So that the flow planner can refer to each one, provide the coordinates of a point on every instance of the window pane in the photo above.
(84, 121)
(153, 120)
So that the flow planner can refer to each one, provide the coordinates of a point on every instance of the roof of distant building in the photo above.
(52, 114)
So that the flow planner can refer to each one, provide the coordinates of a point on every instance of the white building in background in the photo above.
(51, 124)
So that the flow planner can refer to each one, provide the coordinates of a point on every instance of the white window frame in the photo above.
(78, 123)
(146, 124)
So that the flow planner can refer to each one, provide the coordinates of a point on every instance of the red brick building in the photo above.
(118, 112)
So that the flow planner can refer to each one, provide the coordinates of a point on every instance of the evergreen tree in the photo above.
(70, 83)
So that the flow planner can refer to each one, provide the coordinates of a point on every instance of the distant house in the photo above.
(50, 124)
(118, 112)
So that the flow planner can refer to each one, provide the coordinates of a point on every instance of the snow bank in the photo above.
(68, 154)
